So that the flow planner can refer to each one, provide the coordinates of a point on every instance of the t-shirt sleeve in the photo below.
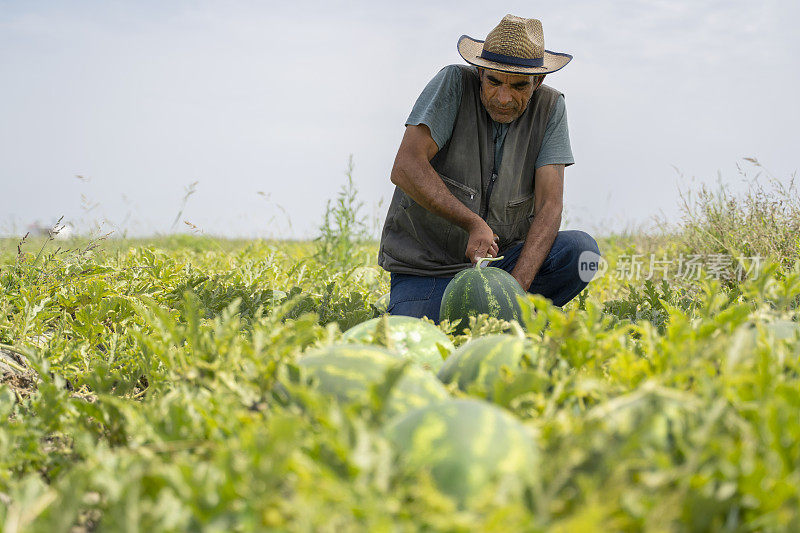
(437, 105)
(556, 149)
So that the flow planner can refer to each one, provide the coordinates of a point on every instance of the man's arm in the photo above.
(544, 227)
(413, 173)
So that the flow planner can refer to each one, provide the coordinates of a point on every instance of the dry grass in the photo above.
(763, 221)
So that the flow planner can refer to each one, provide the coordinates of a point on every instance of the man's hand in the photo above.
(482, 241)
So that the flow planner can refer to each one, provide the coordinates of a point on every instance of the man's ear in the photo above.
(541, 80)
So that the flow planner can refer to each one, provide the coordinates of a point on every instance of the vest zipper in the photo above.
(488, 195)
(489, 188)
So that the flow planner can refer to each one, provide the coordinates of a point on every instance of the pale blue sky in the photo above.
(144, 98)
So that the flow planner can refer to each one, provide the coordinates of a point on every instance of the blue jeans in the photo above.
(558, 278)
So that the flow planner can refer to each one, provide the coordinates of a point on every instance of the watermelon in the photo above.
(784, 329)
(745, 339)
(473, 450)
(475, 366)
(410, 337)
(348, 371)
(479, 290)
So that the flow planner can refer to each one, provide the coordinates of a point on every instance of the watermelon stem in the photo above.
(487, 259)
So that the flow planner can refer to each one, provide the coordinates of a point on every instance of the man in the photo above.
(477, 141)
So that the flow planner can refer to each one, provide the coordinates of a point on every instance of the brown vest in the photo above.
(415, 241)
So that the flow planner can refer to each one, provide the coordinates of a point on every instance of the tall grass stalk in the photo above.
(344, 229)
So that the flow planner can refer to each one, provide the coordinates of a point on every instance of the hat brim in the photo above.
(470, 49)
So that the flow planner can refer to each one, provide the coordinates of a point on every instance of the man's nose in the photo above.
(503, 96)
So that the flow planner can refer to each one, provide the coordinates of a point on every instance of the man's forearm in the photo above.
(538, 242)
(421, 182)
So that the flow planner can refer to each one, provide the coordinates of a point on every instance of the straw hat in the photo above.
(516, 45)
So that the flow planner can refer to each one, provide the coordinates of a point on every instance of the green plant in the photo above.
(160, 384)
(343, 231)
(650, 302)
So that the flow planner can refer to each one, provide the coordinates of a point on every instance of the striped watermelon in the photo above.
(475, 366)
(784, 329)
(472, 449)
(746, 339)
(410, 337)
(348, 371)
(479, 290)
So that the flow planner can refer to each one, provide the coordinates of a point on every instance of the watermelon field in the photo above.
(190, 383)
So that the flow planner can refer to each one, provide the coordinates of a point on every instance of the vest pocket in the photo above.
(458, 237)
(516, 221)
(527, 199)
(464, 193)
(423, 236)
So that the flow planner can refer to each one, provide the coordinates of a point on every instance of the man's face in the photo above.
(505, 96)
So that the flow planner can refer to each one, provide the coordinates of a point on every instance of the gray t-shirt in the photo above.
(437, 107)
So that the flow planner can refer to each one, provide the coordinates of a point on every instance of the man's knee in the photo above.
(580, 242)
(581, 255)
(585, 242)
(586, 256)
